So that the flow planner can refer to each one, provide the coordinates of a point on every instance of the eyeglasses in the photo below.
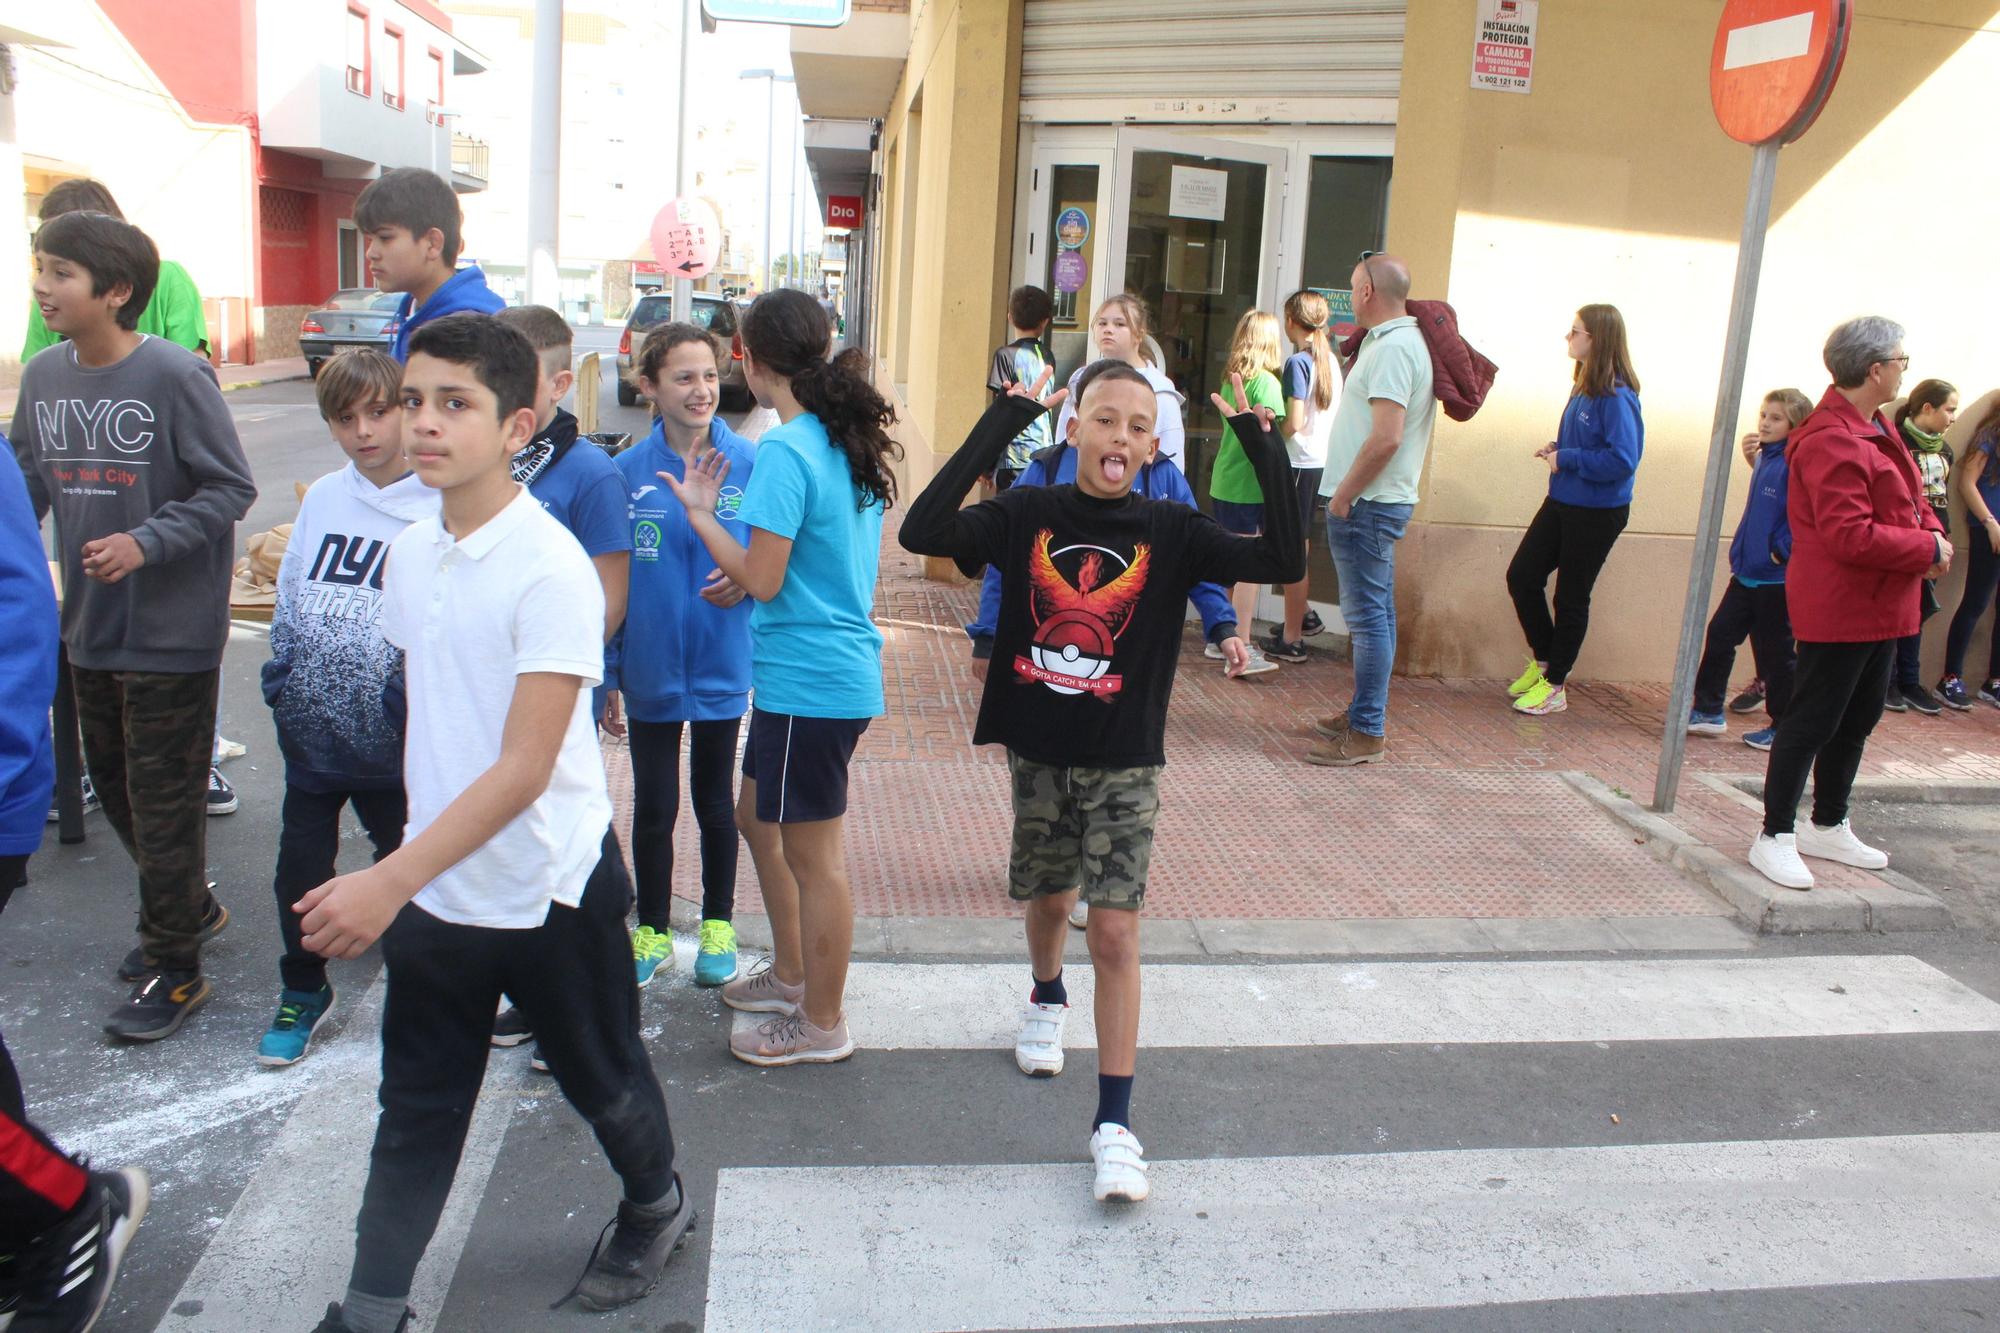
(1369, 272)
(1904, 358)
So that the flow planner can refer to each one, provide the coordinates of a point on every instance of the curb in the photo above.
(274, 379)
(1899, 904)
(1894, 791)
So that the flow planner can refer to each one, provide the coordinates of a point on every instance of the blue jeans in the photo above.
(1364, 555)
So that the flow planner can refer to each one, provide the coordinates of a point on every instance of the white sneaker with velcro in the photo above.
(1038, 1048)
(1121, 1164)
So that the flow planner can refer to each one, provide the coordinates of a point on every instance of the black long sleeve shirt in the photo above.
(1091, 592)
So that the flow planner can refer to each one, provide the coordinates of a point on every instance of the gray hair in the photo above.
(1856, 346)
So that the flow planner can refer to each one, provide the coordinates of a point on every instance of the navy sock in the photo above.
(1051, 991)
(1114, 1100)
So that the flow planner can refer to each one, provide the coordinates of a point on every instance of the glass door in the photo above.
(1194, 233)
(1065, 243)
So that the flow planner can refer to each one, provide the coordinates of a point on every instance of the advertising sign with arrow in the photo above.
(687, 238)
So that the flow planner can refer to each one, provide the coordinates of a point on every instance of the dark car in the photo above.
(354, 317)
(712, 312)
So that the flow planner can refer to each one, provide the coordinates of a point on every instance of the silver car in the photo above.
(353, 317)
(712, 312)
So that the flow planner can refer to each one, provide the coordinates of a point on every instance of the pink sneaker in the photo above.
(791, 1039)
(759, 991)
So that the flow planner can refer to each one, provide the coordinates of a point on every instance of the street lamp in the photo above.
(770, 178)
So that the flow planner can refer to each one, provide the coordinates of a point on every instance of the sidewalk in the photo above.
(230, 377)
(1471, 818)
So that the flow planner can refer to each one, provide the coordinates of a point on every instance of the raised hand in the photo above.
(1018, 389)
(702, 488)
(1226, 410)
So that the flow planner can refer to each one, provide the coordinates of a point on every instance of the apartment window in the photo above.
(392, 66)
(436, 85)
(360, 60)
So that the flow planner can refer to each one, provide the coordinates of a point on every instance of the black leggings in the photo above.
(1761, 613)
(1836, 702)
(1571, 542)
(656, 804)
(1982, 574)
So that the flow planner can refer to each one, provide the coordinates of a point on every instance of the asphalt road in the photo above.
(1800, 1135)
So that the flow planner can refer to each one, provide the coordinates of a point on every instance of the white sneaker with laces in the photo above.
(1038, 1048)
(1121, 1165)
(1079, 915)
(1776, 858)
(1256, 664)
(1839, 844)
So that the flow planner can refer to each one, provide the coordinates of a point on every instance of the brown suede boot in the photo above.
(1347, 749)
(1333, 728)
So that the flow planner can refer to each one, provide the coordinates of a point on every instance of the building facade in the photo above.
(236, 133)
(1212, 164)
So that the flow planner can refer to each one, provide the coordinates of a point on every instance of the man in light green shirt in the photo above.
(1380, 432)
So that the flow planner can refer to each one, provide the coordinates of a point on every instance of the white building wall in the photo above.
(305, 106)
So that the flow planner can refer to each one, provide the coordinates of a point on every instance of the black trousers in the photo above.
(572, 978)
(308, 845)
(1572, 543)
(1761, 614)
(1982, 574)
(1836, 702)
(656, 805)
(38, 1181)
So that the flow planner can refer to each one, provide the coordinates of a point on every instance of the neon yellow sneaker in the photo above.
(715, 963)
(1542, 699)
(651, 949)
(1526, 681)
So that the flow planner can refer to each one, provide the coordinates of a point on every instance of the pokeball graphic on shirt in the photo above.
(1079, 615)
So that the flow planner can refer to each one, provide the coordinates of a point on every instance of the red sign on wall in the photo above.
(843, 210)
(1774, 65)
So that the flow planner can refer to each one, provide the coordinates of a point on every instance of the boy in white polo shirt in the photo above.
(507, 878)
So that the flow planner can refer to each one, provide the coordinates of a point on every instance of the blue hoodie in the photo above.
(1597, 450)
(462, 291)
(678, 658)
(1160, 479)
(27, 672)
(1762, 546)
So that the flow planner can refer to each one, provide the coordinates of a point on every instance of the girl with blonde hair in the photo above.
(1255, 356)
(1118, 332)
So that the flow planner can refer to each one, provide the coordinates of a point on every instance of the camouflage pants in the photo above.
(1087, 828)
(146, 741)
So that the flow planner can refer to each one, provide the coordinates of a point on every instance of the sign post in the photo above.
(1773, 66)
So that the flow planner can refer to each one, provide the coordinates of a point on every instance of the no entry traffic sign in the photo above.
(1774, 64)
(686, 238)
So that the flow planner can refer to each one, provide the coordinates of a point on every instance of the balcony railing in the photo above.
(469, 157)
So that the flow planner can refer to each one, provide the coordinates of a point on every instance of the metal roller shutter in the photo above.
(1243, 60)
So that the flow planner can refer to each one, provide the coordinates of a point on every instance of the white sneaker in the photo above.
(1079, 915)
(1212, 652)
(1839, 844)
(1038, 1048)
(1776, 858)
(1121, 1165)
(1256, 664)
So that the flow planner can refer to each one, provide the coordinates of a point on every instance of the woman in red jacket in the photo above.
(1862, 537)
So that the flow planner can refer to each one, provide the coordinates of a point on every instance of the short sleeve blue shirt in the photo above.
(815, 652)
(584, 492)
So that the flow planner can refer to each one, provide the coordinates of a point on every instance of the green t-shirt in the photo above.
(1234, 479)
(174, 313)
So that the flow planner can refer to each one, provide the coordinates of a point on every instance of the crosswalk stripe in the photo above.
(285, 1248)
(892, 1248)
(946, 1006)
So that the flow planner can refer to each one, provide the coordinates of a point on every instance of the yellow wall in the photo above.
(949, 145)
(1611, 182)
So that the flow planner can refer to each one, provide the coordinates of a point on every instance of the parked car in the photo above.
(352, 317)
(712, 312)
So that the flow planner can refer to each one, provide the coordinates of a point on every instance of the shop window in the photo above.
(392, 66)
(1071, 223)
(360, 59)
(1347, 211)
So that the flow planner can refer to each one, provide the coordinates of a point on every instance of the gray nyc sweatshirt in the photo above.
(147, 447)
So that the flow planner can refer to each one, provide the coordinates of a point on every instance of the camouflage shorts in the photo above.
(1087, 828)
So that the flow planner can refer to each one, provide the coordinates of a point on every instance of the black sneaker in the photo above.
(1952, 691)
(1750, 700)
(1893, 701)
(67, 1272)
(221, 796)
(1921, 699)
(333, 1323)
(535, 1060)
(631, 1263)
(1274, 645)
(1312, 624)
(511, 1027)
(137, 967)
(159, 1005)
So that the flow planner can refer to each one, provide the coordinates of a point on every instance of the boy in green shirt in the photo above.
(174, 313)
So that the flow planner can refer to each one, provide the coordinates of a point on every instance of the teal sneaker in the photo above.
(715, 963)
(299, 1012)
(651, 950)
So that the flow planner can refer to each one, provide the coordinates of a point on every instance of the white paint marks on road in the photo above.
(889, 1248)
(1763, 43)
(285, 1249)
(949, 1006)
